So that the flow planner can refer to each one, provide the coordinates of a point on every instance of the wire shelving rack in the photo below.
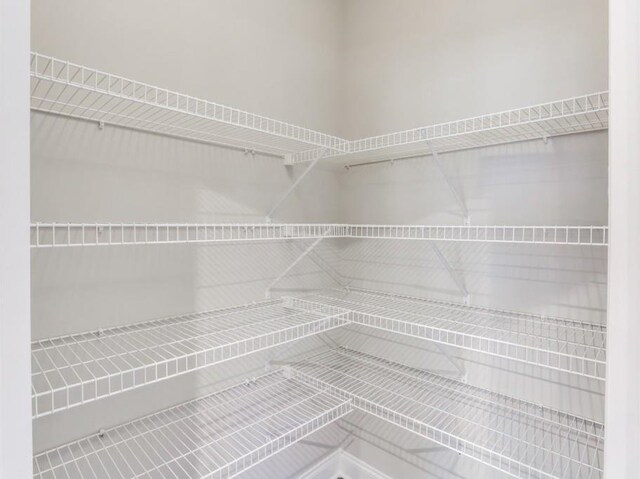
(217, 436)
(521, 439)
(72, 90)
(560, 344)
(57, 235)
(71, 370)
(226, 433)
(69, 89)
(562, 117)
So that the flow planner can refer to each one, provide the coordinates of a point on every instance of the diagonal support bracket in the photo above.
(292, 265)
(321, 154)
(454, 190)
(458, 365)
(325, 267)
(457, 279)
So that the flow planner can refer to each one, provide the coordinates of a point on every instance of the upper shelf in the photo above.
(56, 235)
(68, 89)
(562, 117)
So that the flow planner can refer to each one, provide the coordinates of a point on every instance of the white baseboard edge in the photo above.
(341, 464)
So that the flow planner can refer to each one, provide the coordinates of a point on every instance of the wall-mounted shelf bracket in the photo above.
(291, 266)
(101, 125)
(321, 263)
(457, 279)
(457, 364)
(274, 362)
(321, 154)
(452, 187)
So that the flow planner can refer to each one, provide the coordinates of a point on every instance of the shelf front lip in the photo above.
(119, 234)
(302, 136)
(160, 370)
(591, 368)
(461, 446)
(329, 415)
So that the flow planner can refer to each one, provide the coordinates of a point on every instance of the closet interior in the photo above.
(219, 293)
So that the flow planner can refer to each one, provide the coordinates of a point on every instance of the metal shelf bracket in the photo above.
(308, 250)
(454, 190)
(324, 266)
(457, 364)
(457, 279)
(322, 154)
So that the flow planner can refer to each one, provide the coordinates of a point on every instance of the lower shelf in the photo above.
(560, 344)
(521, 439)
(218, 436)
(73, 370)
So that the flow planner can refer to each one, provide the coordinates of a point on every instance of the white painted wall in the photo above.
(15, 329)
(414, 62)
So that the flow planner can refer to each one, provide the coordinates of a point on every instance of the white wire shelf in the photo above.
(54, 235)
(561, 344)
(64, 88)
(68, 89)
(72, 370)
(217, 436)
(571, 115)
(561, 235)
(519, 438)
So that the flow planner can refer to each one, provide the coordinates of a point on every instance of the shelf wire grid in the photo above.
(68, 89)
(56, 235)
(65, 88)
(71, 370)
(519, 438)
(562, 117)
(559, 235)
(218, 436)
(560, 344)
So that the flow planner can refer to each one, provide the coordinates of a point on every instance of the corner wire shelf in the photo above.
(54, 235)
(560, 235)
(72, 90)
(519, 438)
(560, 344)
(562, 117)
(71, 370)
(217, 436)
